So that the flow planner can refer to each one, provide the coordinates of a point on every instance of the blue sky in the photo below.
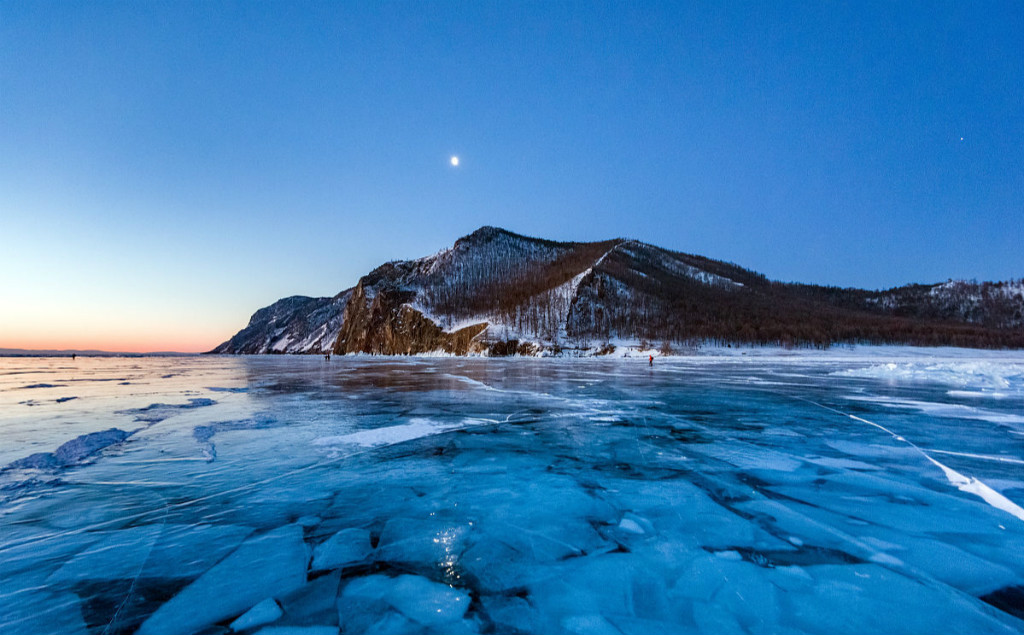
(166, 168)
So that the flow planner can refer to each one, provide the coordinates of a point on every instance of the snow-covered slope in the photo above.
(297, 324)
(501, 292)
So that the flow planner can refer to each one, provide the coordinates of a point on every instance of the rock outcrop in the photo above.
(383, 323)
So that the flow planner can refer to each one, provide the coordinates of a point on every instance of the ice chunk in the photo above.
(497, 567)
(425, 602)
(363, 602)
(630, 526)
(263, 613)
(270, 565)
(607, 584)
(346, 547)
(429, 603)
(315, 603)
(73, 451)
(79, 448)
(680, 509)
(541, 539)
(37, 461)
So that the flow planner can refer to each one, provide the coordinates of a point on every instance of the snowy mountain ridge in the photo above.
(497, 292)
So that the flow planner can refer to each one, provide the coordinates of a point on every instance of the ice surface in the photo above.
(41, 612)
(152, 551)
(748, 491)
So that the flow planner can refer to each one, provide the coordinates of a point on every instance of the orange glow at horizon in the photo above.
(47, 321)
(129, 343)
(117, 336)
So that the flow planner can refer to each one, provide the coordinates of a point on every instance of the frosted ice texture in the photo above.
(796, 494)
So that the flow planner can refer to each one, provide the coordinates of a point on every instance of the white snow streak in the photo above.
(967, 484)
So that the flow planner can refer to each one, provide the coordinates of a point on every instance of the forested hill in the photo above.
(498, 292)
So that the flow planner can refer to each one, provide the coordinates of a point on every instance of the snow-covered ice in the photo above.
(746, 491)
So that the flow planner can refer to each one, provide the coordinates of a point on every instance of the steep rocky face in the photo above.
(383, 323)
(498, 292)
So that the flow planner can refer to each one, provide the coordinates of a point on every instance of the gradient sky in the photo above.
(167, 168)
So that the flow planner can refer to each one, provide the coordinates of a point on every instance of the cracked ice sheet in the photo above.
(561, 495)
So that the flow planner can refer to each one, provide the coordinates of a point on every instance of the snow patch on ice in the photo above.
(983, 491)
(980, 377)
(390, 435)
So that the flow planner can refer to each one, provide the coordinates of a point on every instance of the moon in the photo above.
(455, 162)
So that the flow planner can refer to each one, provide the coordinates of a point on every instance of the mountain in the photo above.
(497, 292)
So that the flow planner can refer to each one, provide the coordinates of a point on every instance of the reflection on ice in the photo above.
(716, 495)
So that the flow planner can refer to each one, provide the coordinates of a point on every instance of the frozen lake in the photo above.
(811, 493)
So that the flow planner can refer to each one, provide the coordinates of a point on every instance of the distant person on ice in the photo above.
(651, 359)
